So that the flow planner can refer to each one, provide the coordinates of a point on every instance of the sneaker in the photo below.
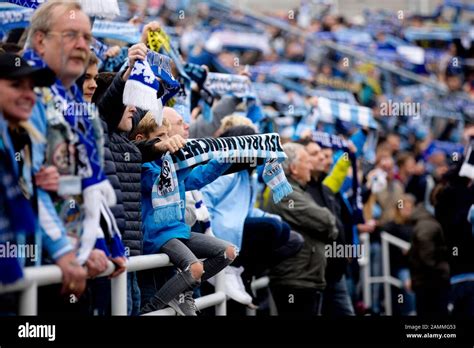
(234, 286)
(187, 304)
(174, 303)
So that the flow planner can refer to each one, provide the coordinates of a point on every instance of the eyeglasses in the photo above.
(70, 36)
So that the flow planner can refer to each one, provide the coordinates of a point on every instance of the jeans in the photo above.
(336, 300)
(297, 301)
(133, 295)
(183, 253)
(462, 297)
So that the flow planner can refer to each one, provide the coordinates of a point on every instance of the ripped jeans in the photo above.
(183, 253)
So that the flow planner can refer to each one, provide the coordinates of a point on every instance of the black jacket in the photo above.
(111, 172)
(451, 209)
(428, 254)
(323, 196)
(127, 159)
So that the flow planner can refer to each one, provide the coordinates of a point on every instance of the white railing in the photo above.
(386, 279)
(35, 277)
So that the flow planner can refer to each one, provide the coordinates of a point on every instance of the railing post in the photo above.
(221, 308)
(365, 270)
(386, 275)
(119, 294)
(29, 300)
(271, 304)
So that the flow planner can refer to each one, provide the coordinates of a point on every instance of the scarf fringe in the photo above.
(100, 8)
(281, 190)
(117, 247)
(100, 244)
(143, 97)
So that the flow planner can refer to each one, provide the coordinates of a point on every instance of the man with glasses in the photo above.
(59, 37)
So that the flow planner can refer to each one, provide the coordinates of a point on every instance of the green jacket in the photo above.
(318, 226)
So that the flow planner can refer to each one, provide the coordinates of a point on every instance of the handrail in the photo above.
(35, 277)
(386, 279)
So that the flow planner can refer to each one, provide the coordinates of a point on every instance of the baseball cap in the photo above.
(13, 67)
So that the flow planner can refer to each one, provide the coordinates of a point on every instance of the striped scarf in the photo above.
(242, 149)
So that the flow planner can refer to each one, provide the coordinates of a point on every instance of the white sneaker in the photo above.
(234, 286)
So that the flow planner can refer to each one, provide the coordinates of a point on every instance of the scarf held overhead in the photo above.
(242, 149)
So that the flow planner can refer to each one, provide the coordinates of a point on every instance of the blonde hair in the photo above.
(42, 19)
(148, 125)
(234, 120)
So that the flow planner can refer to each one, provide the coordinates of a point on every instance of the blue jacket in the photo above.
(156, 235)
(230, 200)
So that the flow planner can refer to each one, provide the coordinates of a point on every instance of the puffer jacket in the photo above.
(127, 159)
(111, 173)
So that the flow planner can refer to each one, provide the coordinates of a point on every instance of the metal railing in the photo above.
(386, 279)
(35, 277)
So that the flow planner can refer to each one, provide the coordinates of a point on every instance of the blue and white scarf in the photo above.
(12, 19)
(100, 8)
(142, 88)
(199, 75)
(90, 167)
(239, 86)
(112, 64)
(161, 66)
(27, 3)
(287, 70)
(122, 31)
(89, 153)
(232, 39)
(242, 149)
(228, 84)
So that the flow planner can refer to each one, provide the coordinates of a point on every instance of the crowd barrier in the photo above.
(35, 277)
